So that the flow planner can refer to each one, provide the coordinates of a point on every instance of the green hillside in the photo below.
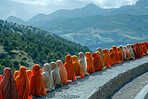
(26, 45)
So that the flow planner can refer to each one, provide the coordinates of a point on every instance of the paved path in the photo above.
(85, 87)
(130, 90)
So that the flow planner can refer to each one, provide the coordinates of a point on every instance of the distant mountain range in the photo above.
(94, 26)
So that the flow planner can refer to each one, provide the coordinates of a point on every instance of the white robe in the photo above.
(47, 77)
(83, 63)
(55, 74)
(131, 51)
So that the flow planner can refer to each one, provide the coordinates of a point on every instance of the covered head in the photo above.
(81, 55)
(22, 82)
(112, 56)
(36, 83)
(83, 64)
(70, 68)
(90, 65)
(55, 74)
(107, 58)
(16, 73)
(77, 66)
(47, 77)
(29, 74)
(46, 67)
(8, 85)
(97, 61)
(62, 71)
(99, 49)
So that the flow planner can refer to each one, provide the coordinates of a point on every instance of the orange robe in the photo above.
(137, 50)
(144, 48)
(36, 82)
(116, 55)
(16, 73)
(29, 74)
(107, 58)
(90, 65)
(100, 53)
(120, 54)
(8, 85)
(70, 68)
(78, 70)
(22, 82)
(97, 62)
(62, 71)
(1, 96)
(112, 56)
(141, 50)
(146, 43)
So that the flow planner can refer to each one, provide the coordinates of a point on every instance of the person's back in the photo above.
(22, 82)
(37, 84)
(8, 85)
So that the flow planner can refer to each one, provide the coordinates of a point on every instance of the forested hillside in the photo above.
(20, 43)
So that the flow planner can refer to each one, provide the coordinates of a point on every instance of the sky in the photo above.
(25, 9)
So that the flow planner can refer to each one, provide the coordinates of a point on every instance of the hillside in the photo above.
(32, 45)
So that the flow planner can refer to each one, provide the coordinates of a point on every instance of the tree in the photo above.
(16, 64)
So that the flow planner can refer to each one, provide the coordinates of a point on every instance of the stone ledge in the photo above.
(102, 84)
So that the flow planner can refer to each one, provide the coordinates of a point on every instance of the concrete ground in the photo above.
(85, 87)
(130, 90)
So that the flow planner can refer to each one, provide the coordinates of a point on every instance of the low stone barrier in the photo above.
(102, 84)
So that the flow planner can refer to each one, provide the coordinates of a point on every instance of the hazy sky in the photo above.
(26, 9)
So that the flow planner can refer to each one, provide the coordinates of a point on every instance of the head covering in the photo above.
(90, 65)
(131, 51)
(36, 83)
(83, 64)
(120, 54)
(22, 83)
(107, 58)
(8, 85)
(145, 50)
(141, 50)
(117, 58)
(16, 73)
(78, 70)
(29, 74)
(146, 43)
(47, 77)
(70, 68)
(126, 52)
(99, 51)
(112, 56)
(97, 61)
(62, 71)
(55, 74)
(137, 50)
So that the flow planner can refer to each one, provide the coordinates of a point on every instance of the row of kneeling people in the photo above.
(24, 84)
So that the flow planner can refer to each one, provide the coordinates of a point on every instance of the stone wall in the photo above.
(108, 89)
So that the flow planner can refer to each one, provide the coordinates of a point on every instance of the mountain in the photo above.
(95, 31)
(95, 27)
(26, 45)
(89, 10)
(140, 8)
(15, 20)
